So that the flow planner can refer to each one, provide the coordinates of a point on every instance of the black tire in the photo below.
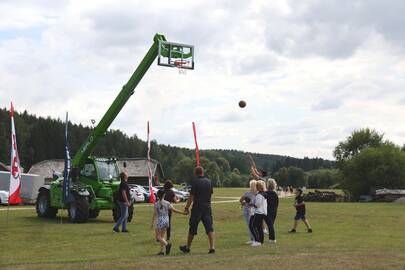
(117, 212)
(94, 213)
(79, 209)
(43, 205)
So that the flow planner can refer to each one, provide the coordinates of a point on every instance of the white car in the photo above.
(182, 195)
(3, 197)
(136, 194)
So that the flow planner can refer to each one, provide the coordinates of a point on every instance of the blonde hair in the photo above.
(271, 184)
(252, 185)
(262, 185)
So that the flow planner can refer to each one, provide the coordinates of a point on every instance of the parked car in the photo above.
(186, 187)
(136, 194)
(182, 195)
(155, 189)
(143, 191)
(3, 197)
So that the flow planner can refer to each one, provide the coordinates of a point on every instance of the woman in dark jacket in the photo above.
(272, 205)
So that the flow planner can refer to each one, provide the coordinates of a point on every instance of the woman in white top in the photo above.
(248, 210)
(260, 213)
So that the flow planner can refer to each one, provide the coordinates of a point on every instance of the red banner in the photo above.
(197, 151)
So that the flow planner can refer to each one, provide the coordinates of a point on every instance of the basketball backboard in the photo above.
(176, 55)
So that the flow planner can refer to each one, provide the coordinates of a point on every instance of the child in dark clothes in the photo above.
(300, 214)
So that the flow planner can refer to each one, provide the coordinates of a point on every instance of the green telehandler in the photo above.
(94, 180)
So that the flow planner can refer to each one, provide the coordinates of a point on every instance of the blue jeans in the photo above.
(247, 217)
(124, 216)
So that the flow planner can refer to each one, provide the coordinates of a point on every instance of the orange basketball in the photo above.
(242, 104)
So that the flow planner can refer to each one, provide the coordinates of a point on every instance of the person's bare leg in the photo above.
(161, 237)
(190, 240)
(306, 222)
(211, 239)
(295, 224)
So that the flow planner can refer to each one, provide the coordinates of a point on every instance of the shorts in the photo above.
(300, 215)
(200, 214)
(162, 222)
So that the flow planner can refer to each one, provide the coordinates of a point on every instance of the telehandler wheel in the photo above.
(43, 205)
(94, 213)
(79, 209)
(117, 212)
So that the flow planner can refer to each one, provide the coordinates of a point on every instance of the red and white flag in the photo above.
(152, 198)
(15, 174)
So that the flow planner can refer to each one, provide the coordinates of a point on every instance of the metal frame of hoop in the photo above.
(179, 64)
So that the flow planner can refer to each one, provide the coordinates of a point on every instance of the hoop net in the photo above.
(179, 65)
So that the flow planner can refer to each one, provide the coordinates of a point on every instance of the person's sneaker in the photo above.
(249, 242)
(184, 249)
(125, 231)
(310, 230)
(256, 244)
(161, 254)
(292, 231)
(211, 251)
(168, 248)
(116, 229)
(272, 241)
(265, 231)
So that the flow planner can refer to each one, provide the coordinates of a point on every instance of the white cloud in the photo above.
(310, 71)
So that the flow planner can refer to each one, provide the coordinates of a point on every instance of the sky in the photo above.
(310, 71)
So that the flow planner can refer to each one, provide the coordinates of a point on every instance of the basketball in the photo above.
(242, 104)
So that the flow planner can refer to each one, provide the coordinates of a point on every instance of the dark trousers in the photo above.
(168, 230)
(270, 219)
(256, 227)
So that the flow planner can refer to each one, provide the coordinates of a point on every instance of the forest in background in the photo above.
(40, 138)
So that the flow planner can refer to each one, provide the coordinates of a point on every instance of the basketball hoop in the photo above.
(180, 56)
(179, 64)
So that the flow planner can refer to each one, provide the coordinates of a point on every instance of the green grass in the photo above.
(346, 236)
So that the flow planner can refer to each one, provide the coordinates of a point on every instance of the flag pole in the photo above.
(15, 169)
(8, 207)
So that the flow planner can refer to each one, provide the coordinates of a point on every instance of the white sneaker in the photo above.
(272, 241)
(256, 244)
(249, 242)
(265, 231)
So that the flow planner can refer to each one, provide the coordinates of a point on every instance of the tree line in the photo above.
(42, 138)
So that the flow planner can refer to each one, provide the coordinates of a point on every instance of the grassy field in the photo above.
(346, 236)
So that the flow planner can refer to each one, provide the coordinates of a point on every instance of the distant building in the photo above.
(137, 170)
(46, 168)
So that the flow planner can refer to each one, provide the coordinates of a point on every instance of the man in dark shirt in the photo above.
(200, 197)
(123, 200)
(300, 214)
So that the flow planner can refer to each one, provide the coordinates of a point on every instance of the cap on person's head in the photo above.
(123, 176)
(168, 184)
(199, 171)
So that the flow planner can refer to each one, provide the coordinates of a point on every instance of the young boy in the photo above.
(300, 207)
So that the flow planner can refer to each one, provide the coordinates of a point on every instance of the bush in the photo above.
(374, 168)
